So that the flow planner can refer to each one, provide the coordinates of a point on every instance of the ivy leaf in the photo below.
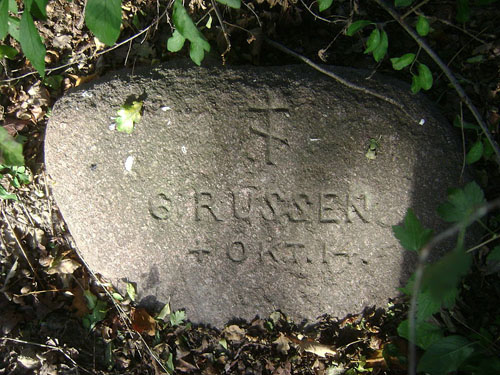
(128, 114)
(104, 18)
(177, 318)
(373, 41)
(31, 43)
(425, 76)
(415, 84)
(445, 355)
(4, 16)
(188, 30)
(11, 151)
(423, 26)
(426, 333)
(324, 4)
(475, 153)
(381, 50)
(412, 236)
(175, 42)
(98, 313)
(461, 203)
(399, 63)
(356, 26)
(236, 4)
(7, 52)
(457, 122)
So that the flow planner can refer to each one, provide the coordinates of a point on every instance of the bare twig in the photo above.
(422, 261)
(224, 31)
(414, 8)
(316, 16)
(338, 78)
(465, 98)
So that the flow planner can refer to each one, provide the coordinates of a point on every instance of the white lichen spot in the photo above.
(112, 126)
(128, 163)
(169, 122)
(287, 115)
(86, 94)
(166, 108)
(422, 121)
(314, 139)
(184, 150)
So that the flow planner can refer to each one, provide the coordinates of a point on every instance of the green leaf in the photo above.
(494, 255)
(426, 333)
(415, 84)
(236, 4)
(461, 203)
(31, 43)
(14, 24)
(324, 4)
(175, 42)
(177, 317)
(54, 81)
(445, 355)
(90, 298)
(373, 41)
(27, 5)
(425, 76)
(423, 26)
(444, 276)
(4, 16)
(463, 10)
(223, 343)
(11, 151)
(402, 3)
(356, 26)
(7, 52)
(38, 9)
(131, 291)
(128, 114)
(13, 6)
(412, 236)
(186, 27)
(475, 153)
(4, 194)
(98, 313)
(117, 296)
(466, 125)
(381, 49)
(399, 63)
(104, 18)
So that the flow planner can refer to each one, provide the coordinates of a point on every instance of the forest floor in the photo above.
(56, 318)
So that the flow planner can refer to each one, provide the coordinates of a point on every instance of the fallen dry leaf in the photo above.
(234, 333)
(143, 322)
(282, 344)
(65, 266)
(313, 347)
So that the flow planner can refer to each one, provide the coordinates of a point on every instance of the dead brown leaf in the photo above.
(143, 322)
(234, 333)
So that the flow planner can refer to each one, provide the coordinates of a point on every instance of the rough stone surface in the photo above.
(250, 189)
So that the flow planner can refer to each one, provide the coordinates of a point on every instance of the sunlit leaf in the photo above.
(31, 43)
(175, 42)
(11, 151)
(412, 235)
(131, 291)
(13, 26)
(143, 322)
(399, 63)
(128, 114)
(356, 26)
(4, 16)
(165, 311)
(177, 317)
(4, 194)
(103, 18)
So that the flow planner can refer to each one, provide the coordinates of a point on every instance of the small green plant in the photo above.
(128, 115)
(445, 353)
(98, 310)
(11, 154)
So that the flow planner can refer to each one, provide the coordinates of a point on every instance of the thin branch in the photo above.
(224, 31)
(338, 78)
(414, 8)
(465, 98)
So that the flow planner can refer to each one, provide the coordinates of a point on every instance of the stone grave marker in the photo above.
(242, 191)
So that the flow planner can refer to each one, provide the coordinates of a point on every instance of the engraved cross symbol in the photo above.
(270, 137)
(199, 251)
